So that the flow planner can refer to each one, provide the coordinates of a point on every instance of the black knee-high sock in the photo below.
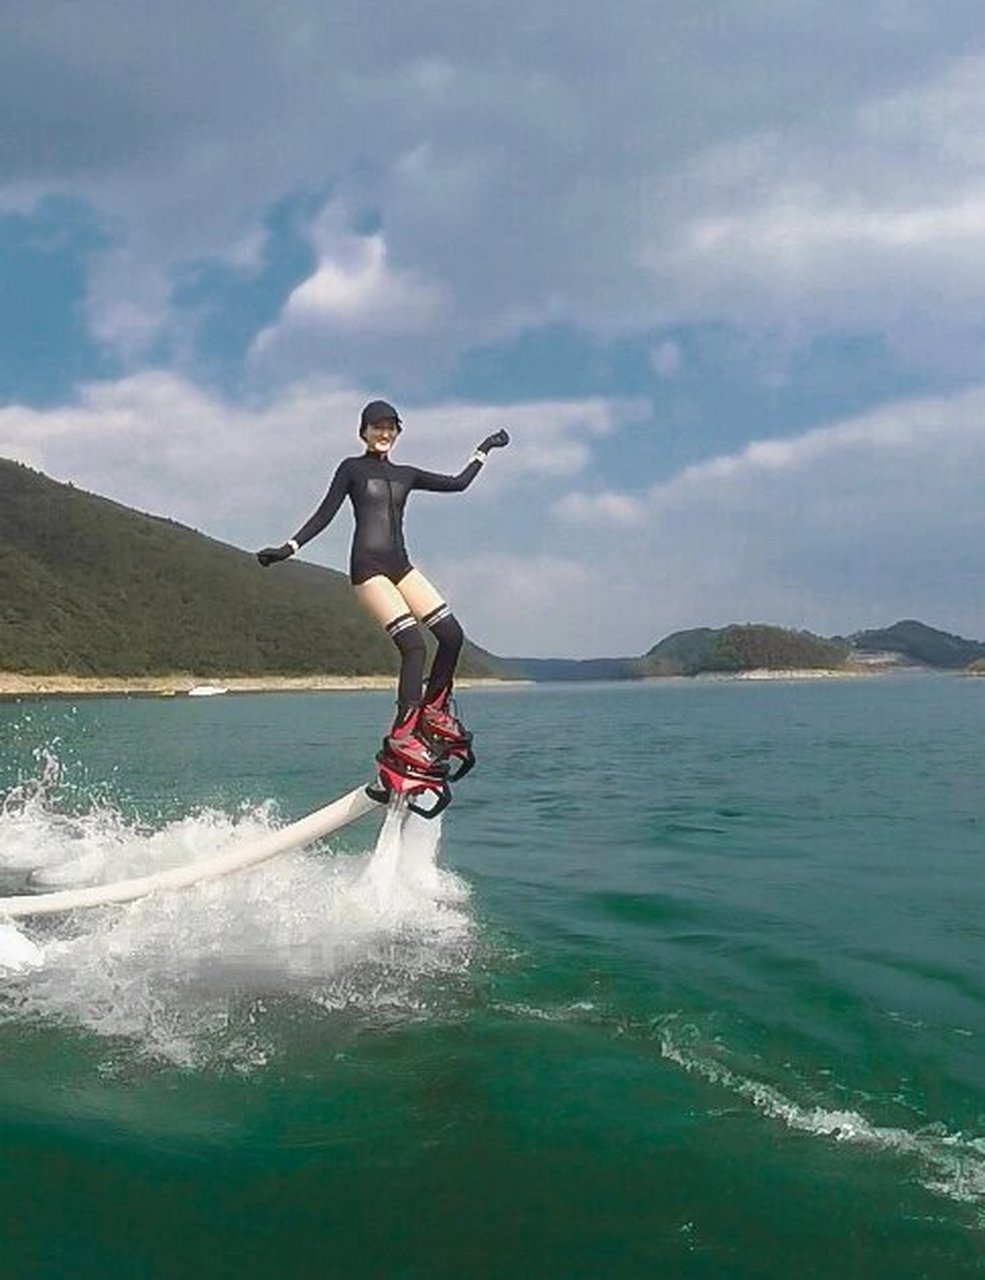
(447, 630)
(406, 635)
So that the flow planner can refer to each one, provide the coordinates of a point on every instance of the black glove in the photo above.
(270, 555)
(498, 440)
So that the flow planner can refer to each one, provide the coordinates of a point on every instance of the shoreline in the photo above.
(19, 685)
(16, 685)
(806, 673)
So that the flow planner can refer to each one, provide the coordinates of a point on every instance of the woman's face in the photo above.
(380, 436)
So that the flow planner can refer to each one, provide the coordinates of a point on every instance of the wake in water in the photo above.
(192, 976)
(947, 1163)
(951, 1164)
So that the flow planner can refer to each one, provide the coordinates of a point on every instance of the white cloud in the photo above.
(616, 510)
(128, 304)
(526, 605)
(549, 437)
(517, 179)
(874, 223)
(858, 523)
(355, 289)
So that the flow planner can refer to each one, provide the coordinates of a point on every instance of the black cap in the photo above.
(378, 411)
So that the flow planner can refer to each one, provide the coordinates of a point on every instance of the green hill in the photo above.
(741, 648)
(916, 642)
(89, 587)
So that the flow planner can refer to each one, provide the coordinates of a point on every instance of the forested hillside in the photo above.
(742, 648)
(916, 642)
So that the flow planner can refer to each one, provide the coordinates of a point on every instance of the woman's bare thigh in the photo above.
(420, 595)
(381, 598)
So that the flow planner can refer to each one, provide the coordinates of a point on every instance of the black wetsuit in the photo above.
(378, 489)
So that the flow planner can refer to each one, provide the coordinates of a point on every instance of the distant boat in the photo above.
(206, 690)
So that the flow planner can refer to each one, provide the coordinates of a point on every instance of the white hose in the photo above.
(320, 823)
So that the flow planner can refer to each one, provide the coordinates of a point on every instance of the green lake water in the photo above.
(688, 982)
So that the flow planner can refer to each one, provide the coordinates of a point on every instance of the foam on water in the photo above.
(17, 951)
(951, 1164)
(403, 870)
(191, 976)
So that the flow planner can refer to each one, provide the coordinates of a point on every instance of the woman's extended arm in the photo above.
(435, 482)
(326, 512)
(328, 507)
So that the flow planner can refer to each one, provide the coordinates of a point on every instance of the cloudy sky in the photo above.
(718, 266)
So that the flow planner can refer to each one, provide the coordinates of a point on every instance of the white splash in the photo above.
(191, 976)
(17, 952)
(403, 871)
(378, 884)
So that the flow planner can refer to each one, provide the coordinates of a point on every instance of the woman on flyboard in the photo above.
(425, 732)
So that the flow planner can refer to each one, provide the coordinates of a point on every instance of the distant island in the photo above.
(91, 590)
(741, 648)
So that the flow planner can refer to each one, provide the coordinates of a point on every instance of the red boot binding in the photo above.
(441, 726)
(404, 745)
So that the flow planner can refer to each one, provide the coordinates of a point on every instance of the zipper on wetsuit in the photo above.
(393, 518)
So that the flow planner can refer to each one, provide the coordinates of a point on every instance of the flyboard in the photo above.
(425, 788)
(313, 827)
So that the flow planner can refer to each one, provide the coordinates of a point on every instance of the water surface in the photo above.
(689, 983)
